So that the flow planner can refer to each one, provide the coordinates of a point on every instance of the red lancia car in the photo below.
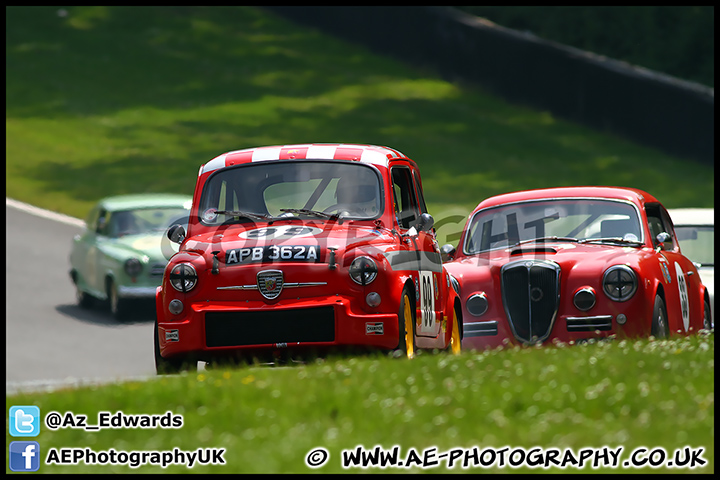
(573, 263)
(300, 249)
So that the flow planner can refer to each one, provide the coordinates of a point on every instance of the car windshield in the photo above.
(144, 220)
(577, 219)
(274, 190)
(697, 243)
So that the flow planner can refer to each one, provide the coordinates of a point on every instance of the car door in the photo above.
(95, 238)
(423, 247)
(682, 300)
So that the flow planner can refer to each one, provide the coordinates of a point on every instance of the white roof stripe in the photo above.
(261, 154)
(214, 164)
(321, 151)
(374, 157)
(374, 154)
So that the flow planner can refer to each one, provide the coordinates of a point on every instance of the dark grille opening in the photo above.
(226, 329)
(531, 298)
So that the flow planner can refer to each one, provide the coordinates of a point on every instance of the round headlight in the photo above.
(584, 299)
(133, 267)
(477, 304)
(183, 277)
(619, 283)
(363, 270)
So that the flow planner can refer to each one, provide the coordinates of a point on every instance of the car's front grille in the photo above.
(530, 290)
(240, 328)
(157, 269)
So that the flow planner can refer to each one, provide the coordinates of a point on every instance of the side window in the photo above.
(658, 222)
(91, 219)
(103, 222)
(406, 206)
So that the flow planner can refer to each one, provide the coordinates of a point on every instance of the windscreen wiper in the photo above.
(250, 215)
(546, 239)
(610, 239)
(307, 211)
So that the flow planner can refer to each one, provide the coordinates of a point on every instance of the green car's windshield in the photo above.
(577, 219)
(307, 188)
(144, 220)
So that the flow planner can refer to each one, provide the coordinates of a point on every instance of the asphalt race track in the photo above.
(50, 341)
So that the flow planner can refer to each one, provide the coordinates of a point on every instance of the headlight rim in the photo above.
(633, 278)
(373, 275)
(582, 290)
(193, 274)
(484, 298)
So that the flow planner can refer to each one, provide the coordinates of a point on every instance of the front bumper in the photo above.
(493, 333)
(208, 330)
(125, 291)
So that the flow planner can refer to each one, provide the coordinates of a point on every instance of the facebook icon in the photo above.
(24, 456)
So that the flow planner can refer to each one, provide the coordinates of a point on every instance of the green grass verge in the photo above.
(622, 393)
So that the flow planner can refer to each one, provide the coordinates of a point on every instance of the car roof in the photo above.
(373, 154)
(622, 193)
(692, 216)
(144, 200)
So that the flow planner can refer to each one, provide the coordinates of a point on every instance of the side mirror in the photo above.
(661, 238)
(447, 252)
(176, 233)
(425, 223)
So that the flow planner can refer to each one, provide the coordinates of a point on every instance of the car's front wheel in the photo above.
(119, 307)
(454, 346)
(707, 316)
(659, 327)
(84, 299)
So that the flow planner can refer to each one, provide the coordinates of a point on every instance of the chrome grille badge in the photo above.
(270, 283)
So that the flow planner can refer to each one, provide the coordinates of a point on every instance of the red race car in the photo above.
(303, 249)
(573, 263)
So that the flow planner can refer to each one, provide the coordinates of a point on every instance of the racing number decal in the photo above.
(684, 302)
(427, 302)
(280, 233)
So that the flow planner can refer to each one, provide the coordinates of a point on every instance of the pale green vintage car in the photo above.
(120, 256)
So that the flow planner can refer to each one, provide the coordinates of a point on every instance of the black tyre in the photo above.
(659, 327)
(406, 325)
(708, 323)
(455, 345)
(84, 299)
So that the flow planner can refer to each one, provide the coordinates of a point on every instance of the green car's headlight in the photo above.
(133, 267)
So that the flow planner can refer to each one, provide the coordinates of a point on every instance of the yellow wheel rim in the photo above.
(455, 337)
(409, 343)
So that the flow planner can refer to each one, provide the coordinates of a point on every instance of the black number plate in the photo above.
(273, 253)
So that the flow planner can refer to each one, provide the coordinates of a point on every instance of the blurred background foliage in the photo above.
(676, 40)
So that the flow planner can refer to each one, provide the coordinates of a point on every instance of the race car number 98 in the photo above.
(273, 253)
